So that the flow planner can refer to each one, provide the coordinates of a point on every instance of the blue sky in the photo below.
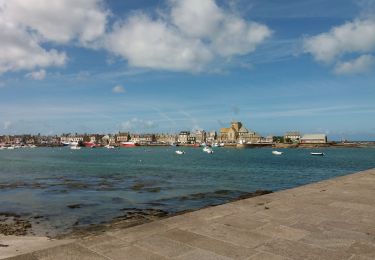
(166, 66)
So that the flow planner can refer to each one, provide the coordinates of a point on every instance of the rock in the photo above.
(74, 206)
(156, 189)
(138, 186)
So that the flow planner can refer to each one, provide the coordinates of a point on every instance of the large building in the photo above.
(200, 136)
(183, 137)
(313, 139)
(122, 137)
(238, 133)
(211, 136)
(166, 138)
(293, 137)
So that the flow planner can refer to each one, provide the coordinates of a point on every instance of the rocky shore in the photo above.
(26, 224)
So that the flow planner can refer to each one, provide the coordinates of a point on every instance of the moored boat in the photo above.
(89, 144)
(277, 153)
(180, 152)
(317, 154)
(129, 144)
(75, 147)
(208, 150)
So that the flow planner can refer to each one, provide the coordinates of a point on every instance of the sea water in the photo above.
(45, 181)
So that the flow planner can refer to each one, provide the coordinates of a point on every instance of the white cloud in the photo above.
(21, 50)
(359, 65)
(118, 89)
(37, 75)
(356, 38)
(25, 26)
(352, 37)
(191, 35)
(58, 20)
(137, 124)
(155, 44)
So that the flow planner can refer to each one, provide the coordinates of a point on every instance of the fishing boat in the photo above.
(180, 152)
(89, 144)
(129, 144)
(277, 153)
(317, 154)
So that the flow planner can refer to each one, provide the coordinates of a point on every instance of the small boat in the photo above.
(180, 152)
(277, 153)
(129, 144)
(109, 146)
(317, 154)
(208, 150)
(75, 147)
(2, 148)
(89, 144)
(221, 145)
(11, 147)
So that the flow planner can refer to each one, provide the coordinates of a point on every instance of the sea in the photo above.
(92, 186)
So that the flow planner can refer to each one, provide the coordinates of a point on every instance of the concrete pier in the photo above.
(333, 219)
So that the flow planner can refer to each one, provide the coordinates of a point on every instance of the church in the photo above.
(237, 133)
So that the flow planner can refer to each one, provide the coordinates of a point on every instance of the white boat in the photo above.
(180, 152)
(277, 153)
(75, 147)
(109, 146)
(221, 145)
(11, 148)
(317, 154)
(2, 148)
(208, 150)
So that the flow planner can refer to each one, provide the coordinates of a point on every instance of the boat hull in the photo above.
(129, 144)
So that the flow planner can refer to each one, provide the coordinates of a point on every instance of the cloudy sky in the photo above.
(170, 65)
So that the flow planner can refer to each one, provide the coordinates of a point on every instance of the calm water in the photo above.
(44, 181)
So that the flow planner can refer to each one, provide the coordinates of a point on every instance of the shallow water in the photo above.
(44, 181)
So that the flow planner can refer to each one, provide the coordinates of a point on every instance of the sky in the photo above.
(97, 66)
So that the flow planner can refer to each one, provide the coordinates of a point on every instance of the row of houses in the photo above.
(29, 140)
(235, 133)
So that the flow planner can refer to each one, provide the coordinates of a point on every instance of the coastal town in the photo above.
(235, 135)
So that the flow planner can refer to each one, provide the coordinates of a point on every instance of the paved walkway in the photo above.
(333, 219)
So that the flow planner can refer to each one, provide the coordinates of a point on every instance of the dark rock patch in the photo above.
(138, 186)
(13, 224)
(74, 206)
(156, 189)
